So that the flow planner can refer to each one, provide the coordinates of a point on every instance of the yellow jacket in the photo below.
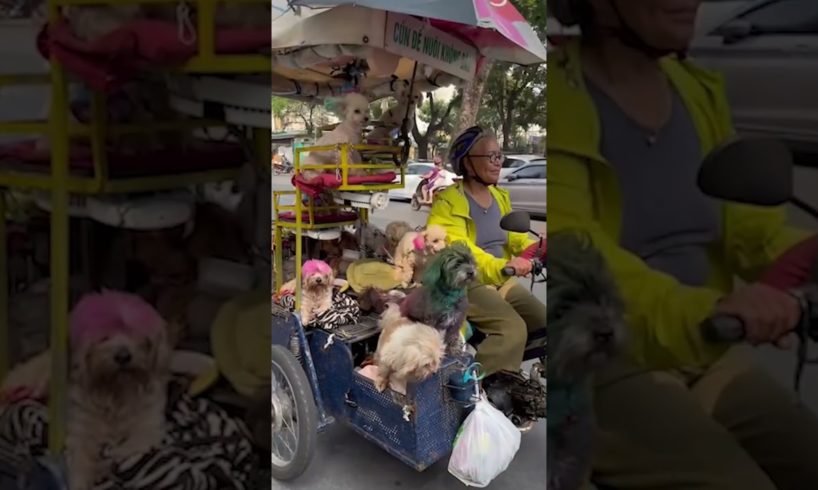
(583, 194)
(451, 211)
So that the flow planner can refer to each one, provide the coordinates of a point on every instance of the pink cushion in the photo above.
(113, 59)
(339, 217)
(329, 180)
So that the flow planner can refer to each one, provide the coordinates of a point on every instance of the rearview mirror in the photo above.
(517, 221)
(749, 170)
(511, 178)
(735, 30)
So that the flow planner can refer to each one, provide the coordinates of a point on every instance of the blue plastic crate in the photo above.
(418, 428)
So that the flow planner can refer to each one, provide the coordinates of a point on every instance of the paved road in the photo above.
(345, 461)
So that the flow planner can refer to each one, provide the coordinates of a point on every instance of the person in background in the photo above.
(432, 179)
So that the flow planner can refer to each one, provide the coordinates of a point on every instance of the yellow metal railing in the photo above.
(385, 157)
(61, 183)
(344, 167)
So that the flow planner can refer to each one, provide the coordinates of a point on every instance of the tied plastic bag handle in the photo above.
(473, 373)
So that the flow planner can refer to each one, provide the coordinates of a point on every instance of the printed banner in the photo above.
(417, 40)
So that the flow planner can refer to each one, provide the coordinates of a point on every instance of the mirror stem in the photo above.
(803, 206)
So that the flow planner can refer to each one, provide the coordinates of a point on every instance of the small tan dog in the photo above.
(394, 232)
(316, 291)
(120, 366)
(407, 351)
(413, 248)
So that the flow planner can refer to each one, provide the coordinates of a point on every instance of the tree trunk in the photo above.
(422, 140)
(472, 93)
(423, 150)
(508, 123)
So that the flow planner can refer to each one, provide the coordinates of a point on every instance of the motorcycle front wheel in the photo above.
(415, 203)
(294, 416)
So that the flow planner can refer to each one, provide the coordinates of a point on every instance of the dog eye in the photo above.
(357, 111)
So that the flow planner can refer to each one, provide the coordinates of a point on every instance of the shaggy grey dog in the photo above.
(585, 330)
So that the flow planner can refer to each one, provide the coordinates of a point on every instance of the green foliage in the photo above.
(309, 114)
(441, 119)
(514, 97)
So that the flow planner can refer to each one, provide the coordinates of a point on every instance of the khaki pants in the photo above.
(506, 316)
(730, 428)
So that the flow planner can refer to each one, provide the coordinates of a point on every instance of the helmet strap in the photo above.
(471, 175)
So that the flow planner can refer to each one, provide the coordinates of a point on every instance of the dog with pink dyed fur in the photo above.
(316, 289)
(118, 375)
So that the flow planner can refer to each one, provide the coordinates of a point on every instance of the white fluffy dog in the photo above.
(413, 248)
(407, 351)
(393, 118)
(355, 110)
(120, 365)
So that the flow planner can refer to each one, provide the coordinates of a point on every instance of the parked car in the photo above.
(710, 12)
(767, 51)
(516, 161)
(527, 187)
(415, 170)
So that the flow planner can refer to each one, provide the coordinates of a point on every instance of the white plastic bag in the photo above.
(484, 447)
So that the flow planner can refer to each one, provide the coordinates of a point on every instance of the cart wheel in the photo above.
(294, 417)
(415, 203)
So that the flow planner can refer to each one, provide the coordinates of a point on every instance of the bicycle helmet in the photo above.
(462, 145)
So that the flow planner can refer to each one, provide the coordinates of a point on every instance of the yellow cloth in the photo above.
(368, 273)
(241, 341)
(664, 316)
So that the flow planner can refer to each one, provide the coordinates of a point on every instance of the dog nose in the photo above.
(122, 356)
(319, 280)
(470, 274)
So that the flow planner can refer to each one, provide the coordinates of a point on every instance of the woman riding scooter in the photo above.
(432, 179)
(470, 211)
(629, 121)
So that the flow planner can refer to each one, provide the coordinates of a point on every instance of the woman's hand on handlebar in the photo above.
(768, 314)
(522, 267)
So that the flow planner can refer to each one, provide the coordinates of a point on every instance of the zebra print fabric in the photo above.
(204, 448)
(344, 311)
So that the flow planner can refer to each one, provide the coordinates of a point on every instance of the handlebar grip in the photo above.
(723, 328)
(509, 271)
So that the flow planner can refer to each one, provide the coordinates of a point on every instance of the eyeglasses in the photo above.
(494, 157)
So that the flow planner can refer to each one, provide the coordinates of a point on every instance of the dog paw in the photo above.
(381, 384)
